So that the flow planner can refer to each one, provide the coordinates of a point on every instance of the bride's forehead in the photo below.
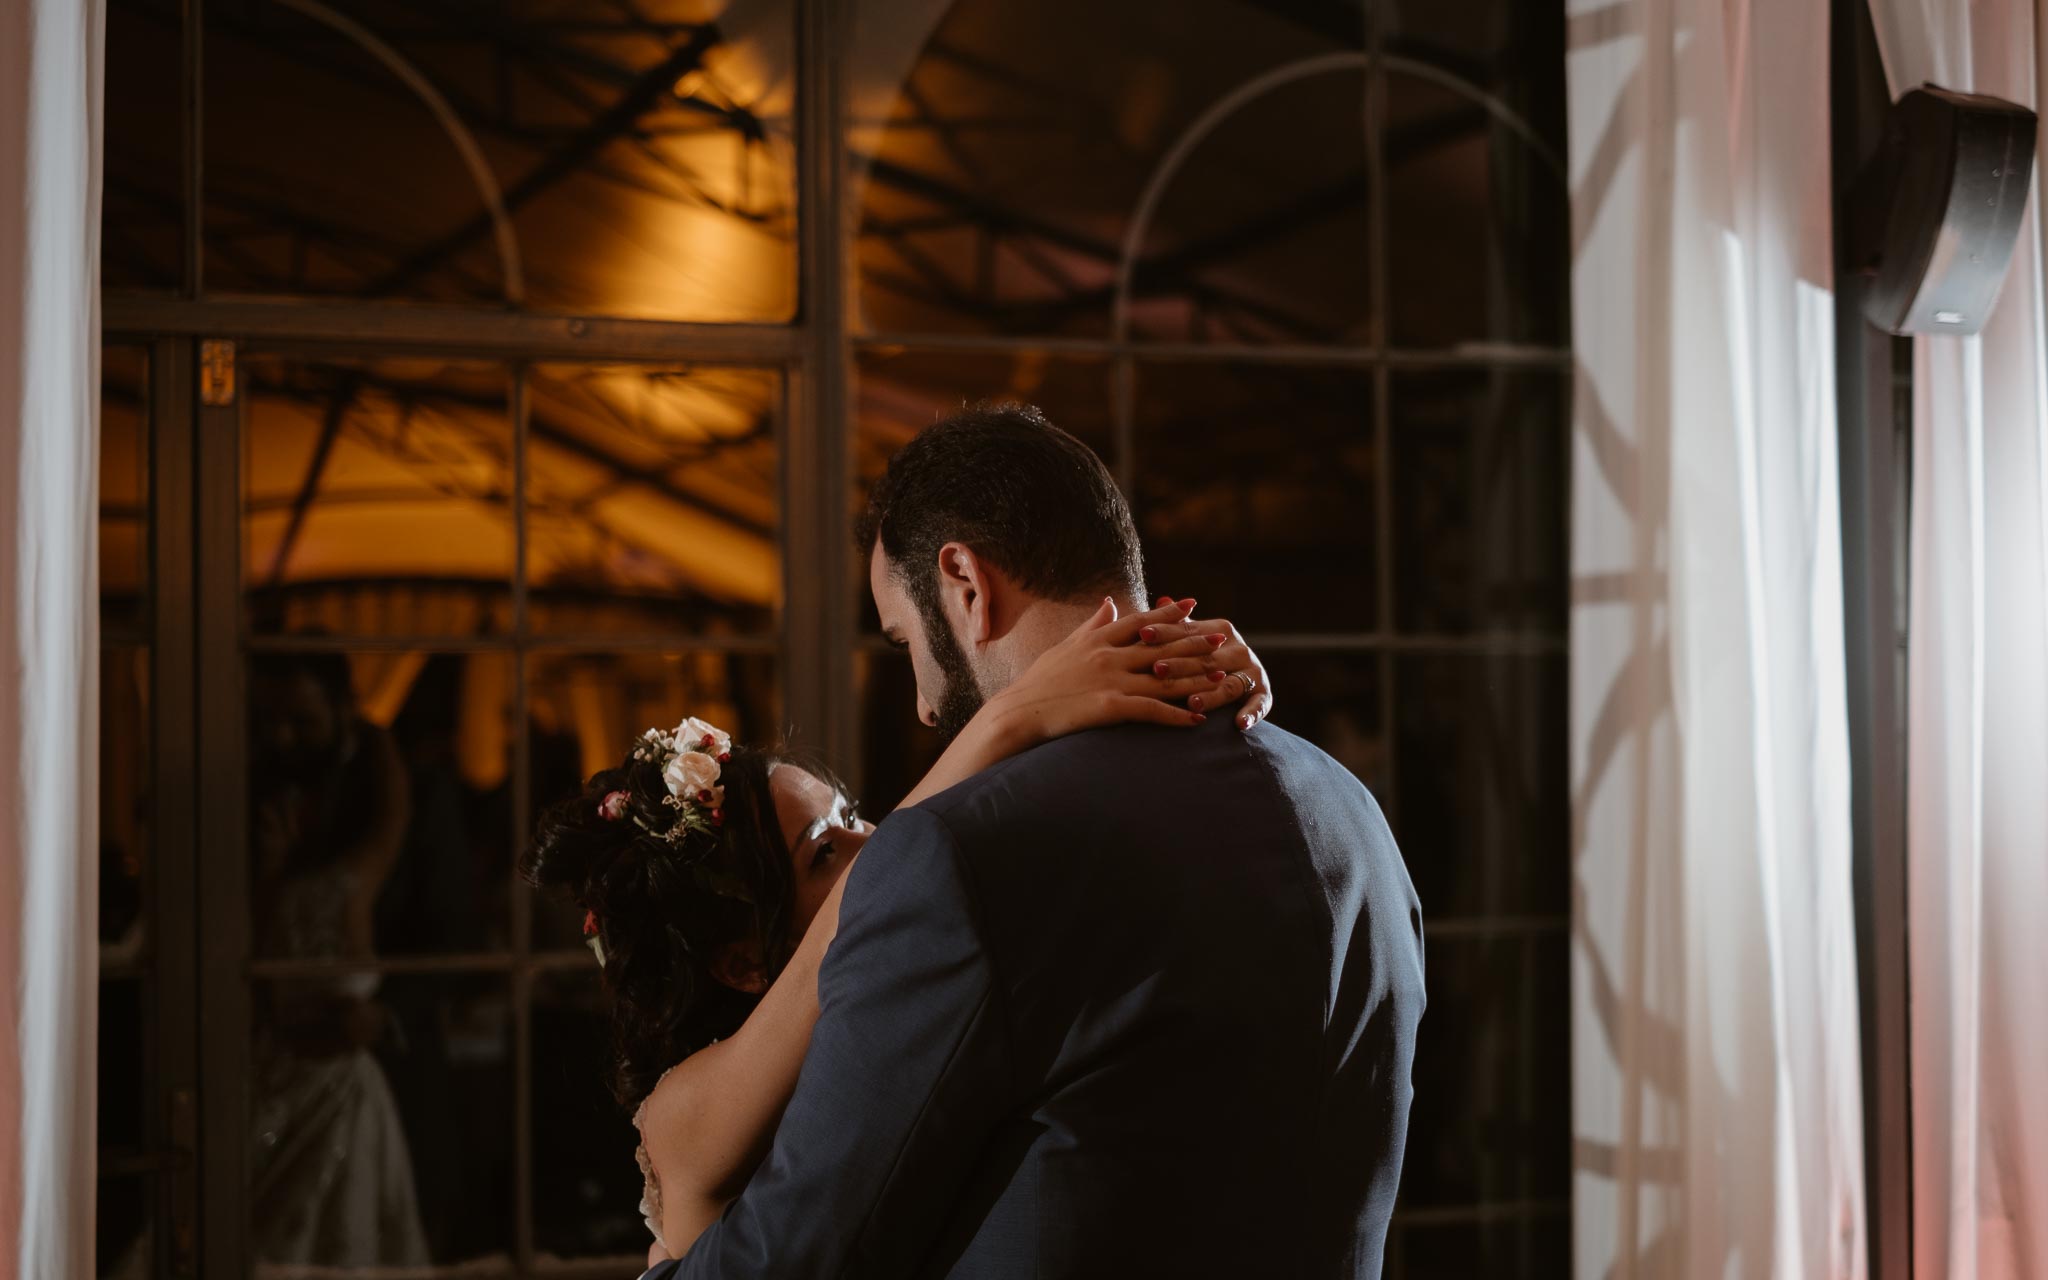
(799, 794)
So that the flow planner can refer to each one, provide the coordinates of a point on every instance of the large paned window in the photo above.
(486, 382)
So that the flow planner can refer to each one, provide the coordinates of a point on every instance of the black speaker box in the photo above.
(1937, 213)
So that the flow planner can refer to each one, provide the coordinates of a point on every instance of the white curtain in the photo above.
(1717, 1104)
(50, 59)
(1977, 743)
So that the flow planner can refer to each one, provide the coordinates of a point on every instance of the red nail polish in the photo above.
(1195, 703)
(1159, 668)
(1216, 642)
(1218, 677)
(1164, 601)
(1200, 718)
(1188, 604)
(1150, 635)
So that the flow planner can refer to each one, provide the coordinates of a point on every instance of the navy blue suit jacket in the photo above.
(1138, 1002)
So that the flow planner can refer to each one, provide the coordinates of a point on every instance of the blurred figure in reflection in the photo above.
(331, 1179)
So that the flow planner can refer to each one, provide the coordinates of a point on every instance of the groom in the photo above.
(1140, 1002)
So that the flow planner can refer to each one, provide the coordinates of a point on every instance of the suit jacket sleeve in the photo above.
(908, 1073)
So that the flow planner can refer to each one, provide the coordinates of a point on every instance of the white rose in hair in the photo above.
(689, 774)
(692, 732)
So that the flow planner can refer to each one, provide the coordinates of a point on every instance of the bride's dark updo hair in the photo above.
(665, 911)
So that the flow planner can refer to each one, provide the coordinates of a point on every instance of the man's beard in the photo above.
(961, 696)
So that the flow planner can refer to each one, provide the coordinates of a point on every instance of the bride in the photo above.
(710, 877)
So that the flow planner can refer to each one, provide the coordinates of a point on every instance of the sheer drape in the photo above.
(1977, 745)
(50, 57)
(1716, 1097)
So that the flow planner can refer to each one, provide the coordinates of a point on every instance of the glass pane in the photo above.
(586, 1183)
(1480, 506)
(142, 213)
(999, 157)
(1478, 223)
(125, 765)
(125, 1233)
(378, 1133)
(585, 710)
(1482, 807)
(380, 803)
(633, 160)
(376, 497)
(124, 487)
(124, 1054)
(896, 748)
(1491, 1117)
(1254, 493)
(1262, 235)
(653, 500)
(900, 393)
(1513, 52)
(127, 1199)
(1333, 700)
(1519, 1247)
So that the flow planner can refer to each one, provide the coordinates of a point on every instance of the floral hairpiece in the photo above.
(692, 758)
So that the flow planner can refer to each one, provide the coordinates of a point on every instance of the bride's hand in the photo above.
(1104, 673)
(1213, 654)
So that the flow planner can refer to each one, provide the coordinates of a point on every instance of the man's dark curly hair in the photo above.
(1026, 496)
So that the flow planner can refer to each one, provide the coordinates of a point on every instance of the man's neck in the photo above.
(1039, 626)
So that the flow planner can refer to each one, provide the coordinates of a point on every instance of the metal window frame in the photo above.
(200, 655)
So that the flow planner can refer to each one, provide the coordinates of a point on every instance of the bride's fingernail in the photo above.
(1216, 642)
(1159, 668)
(1200, 718)
(1150, 635)
(1195, 703)
(1164, 601)
(1188, 604)
(1218, 677)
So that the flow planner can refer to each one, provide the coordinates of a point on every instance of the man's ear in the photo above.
(738, 965)
(966, 587)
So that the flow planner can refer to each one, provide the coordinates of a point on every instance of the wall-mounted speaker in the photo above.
(1936, 214)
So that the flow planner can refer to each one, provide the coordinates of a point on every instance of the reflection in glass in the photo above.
(1261, 236)
(380, 803)
(1477, 223)
(1333, 700)
(376, 496)
(377, 1121)
(1512, 51)
(586, 1184)
(124, 1203)
(1482, 806)
(999, 160)
(125, 764)
(1496, 1108)
(142, 243)
(1479, 513)
(585, 710)
(124, 485)
(632, 160)
(1254, 493)
(653, 500)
